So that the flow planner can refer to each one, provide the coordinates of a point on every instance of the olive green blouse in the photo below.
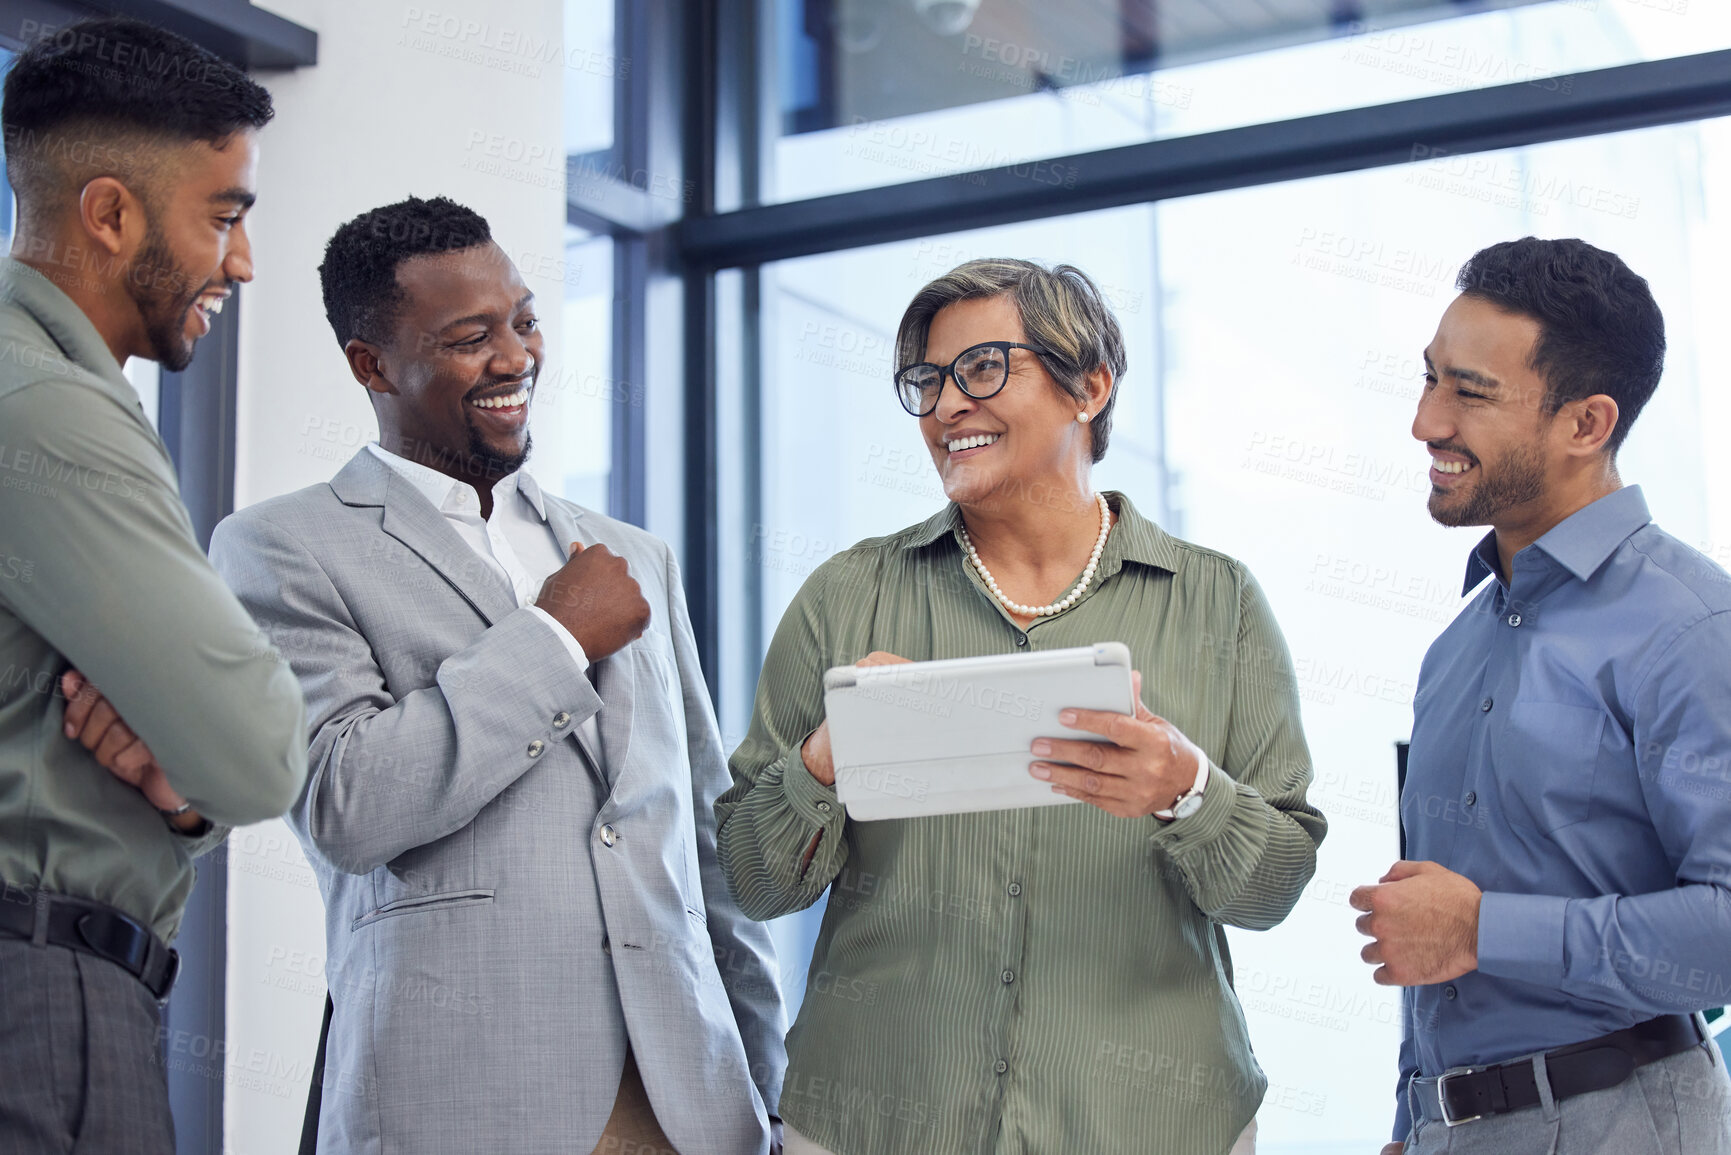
(1038, 980)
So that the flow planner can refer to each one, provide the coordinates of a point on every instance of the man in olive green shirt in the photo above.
(132, 153)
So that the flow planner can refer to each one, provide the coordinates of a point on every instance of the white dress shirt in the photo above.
(516, 543)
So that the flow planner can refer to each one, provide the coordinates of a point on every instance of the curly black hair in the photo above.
(359, 272)
(106, 96)
(1600, 331)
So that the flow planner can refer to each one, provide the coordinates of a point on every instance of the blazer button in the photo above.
(536, 747)
(561, 720)
(608, 836)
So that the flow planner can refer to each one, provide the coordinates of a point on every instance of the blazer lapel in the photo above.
(616, 682)
(567, 525)
(411, 519)
(565, 522)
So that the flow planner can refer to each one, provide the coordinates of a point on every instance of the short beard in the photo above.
(159, 303)
(486, 463)
(1519, 477)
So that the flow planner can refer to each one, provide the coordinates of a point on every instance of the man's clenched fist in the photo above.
(595, 597)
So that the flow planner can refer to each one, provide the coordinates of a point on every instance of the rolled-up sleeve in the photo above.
(1246, 855)
(779, 828)
(123, 591)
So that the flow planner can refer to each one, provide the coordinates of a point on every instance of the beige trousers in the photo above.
(797, 1144)
(631, 1128)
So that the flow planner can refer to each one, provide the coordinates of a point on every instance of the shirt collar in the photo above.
(1134, 537)
(440, 488)
(1580, 543)
(65, 323)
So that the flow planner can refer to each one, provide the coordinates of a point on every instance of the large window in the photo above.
(1274, 338)
(877, 94)
(574, 401)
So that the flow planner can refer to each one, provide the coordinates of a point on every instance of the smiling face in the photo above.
(1027, 433)
(453, 386)
(1482, 416)
(195, 247)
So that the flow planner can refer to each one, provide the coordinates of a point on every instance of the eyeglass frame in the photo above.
(950, 372)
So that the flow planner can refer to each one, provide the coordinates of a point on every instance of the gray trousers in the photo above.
(80, 1071)
(1676, 1106)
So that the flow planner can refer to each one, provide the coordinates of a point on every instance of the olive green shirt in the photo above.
(99, 569)
(1038, 980)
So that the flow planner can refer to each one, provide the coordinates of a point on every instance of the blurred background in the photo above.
(724, 207)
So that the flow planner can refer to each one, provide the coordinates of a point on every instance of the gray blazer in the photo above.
(502, 908)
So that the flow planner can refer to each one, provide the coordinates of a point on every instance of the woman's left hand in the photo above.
(1144, 765)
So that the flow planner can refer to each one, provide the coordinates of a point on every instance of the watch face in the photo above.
(1185, 807)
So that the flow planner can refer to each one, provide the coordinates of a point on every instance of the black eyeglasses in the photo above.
(980, 372)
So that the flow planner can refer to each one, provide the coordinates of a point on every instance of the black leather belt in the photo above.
(1478, 1092)
(93, 928)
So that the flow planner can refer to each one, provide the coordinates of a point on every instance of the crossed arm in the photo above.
(93, 722)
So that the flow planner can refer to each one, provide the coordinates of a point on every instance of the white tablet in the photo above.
(952, 736)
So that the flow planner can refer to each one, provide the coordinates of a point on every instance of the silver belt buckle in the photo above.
(1443, 1100)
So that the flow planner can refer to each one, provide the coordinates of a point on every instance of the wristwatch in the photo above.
(204, 824)
(1190, 801)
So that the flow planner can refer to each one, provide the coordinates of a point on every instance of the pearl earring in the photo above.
(1082, 417)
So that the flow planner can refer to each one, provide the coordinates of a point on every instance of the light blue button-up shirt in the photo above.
(1571, 754)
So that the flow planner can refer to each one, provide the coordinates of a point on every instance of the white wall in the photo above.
(456, 98)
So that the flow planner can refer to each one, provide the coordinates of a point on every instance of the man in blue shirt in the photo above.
(1564, 913)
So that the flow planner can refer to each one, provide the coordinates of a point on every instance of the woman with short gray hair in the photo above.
(1050, 978)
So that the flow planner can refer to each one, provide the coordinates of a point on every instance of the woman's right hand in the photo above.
(816, 752)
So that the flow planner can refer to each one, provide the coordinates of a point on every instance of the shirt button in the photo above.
(1015, 889)
(823, 806)
(1021, 639)
(1472, 797)
(561, 720)
(1000, 1066)
(536, 747)
(1449, 991)
(608, 836)
(1486, 705)
(1009, 977)
(1514, 619)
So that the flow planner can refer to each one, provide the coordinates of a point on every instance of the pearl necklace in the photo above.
(1069, 599)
